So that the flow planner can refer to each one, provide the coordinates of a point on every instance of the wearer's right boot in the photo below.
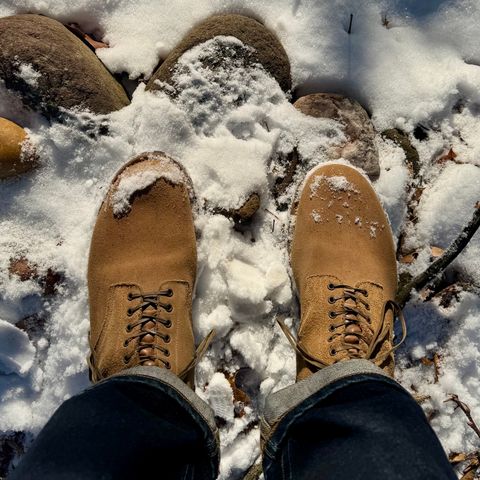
(141, 272)
(343, 262)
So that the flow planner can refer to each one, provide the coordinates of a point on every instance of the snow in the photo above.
(16, 352)
(27, 73)
(423, 69)
(130, 183)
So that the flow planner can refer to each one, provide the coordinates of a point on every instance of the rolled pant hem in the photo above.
(179, 389)
(280, 403)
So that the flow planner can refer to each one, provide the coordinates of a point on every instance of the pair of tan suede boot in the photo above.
(143, 263)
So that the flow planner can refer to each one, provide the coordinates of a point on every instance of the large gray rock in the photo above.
(51, 68)
(268, 51)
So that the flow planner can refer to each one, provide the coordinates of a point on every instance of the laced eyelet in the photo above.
(332, 314)
(125, 359)
(167, 339)
(130, 296)
(168, 366)
(168, 324)
(331, 328)
(333, 352)
(167, 353)
(169, 292)
(367, 307)
(331, 300)
(128, 328)
(169, 307)
(125, 343)
(331, 286)
(330, 339)
(129, 312)
(365, 293)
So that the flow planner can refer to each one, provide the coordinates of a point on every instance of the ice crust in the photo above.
(422, 68)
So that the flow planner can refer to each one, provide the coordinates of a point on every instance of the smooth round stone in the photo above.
(16, 153)
(51, 68)
(359, 146)
(267, 49)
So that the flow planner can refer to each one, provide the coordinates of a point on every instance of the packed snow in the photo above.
(409, 64)
(28, 74)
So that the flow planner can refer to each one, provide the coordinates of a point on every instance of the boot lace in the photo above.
(148, 351)
(354, 328)
(149, 305)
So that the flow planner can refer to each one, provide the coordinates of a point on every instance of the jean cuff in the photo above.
(279, 404)
(170, 384)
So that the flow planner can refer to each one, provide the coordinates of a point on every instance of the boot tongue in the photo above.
(148, 338)
(351, 327)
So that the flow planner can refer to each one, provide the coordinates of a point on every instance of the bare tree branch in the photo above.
(439, 265)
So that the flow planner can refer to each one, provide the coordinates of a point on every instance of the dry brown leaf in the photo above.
(449, 156)
(409, 258)
(435, 361)
(456, 457)
(419, 398)
(22, 268)
(95, 43)
(76, 30)
(436, 251)
(426, 361)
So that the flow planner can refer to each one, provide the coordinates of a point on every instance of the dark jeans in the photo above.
(363, 426)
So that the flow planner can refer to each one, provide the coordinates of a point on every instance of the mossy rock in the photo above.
(268, 51)
(51, 68)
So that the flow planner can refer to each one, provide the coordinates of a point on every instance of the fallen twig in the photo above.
(254, 472)
(466, 410)
(439, 265)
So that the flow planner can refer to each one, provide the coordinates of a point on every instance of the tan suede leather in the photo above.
(147, 246)
(342, 237)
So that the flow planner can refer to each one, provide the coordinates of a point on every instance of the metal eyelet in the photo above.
(168, 366)
(333, 352)
(331, 286)
(167, 353)
(330, 339)
(130, 296)
(168, 324)
(331, 300)
(169, 307)
(128, 328)
(365, 293)
(367, 307)
(167, 339)
(125, 343)
(126, 359)
(129, 312)
(331, 314)
(331, 328)
(169, 292)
